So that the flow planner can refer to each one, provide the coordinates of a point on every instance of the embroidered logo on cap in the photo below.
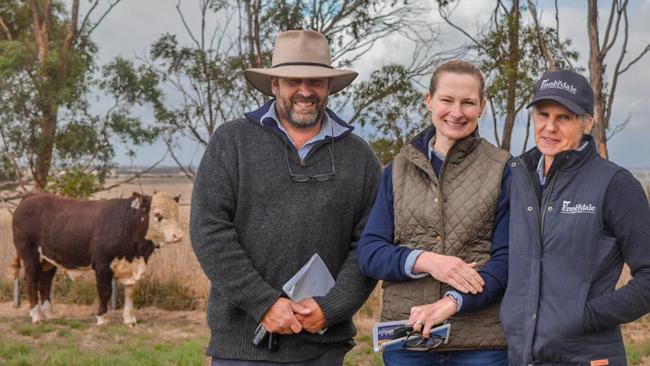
(558, 84)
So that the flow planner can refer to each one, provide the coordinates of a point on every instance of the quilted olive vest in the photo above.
(450, 215)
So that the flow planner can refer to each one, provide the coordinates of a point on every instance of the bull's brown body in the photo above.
(52, 231)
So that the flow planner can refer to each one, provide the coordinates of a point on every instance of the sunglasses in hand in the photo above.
(414, 341)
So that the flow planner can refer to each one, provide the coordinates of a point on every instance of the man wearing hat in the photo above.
(275, 187)
(575, 219)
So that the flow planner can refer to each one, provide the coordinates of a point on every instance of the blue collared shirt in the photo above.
(328, 129)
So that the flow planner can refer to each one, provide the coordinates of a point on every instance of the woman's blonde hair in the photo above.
(458, 67)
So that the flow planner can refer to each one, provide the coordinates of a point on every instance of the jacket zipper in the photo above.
(542, 213)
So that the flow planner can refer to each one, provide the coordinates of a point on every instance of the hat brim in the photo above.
(260, 79)
(574, 108)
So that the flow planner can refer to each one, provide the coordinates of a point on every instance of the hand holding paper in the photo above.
(280, 317)
(313, 322)
(313, 279)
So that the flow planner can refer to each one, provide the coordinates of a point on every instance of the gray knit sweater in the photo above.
(252, 228)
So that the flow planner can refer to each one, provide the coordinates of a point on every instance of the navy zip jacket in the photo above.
(381, 259)
(568, 242)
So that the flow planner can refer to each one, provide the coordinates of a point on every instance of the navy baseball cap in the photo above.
(566, 87)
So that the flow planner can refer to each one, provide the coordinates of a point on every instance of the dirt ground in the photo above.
(168, 325)
(171, 326)
(175, 326)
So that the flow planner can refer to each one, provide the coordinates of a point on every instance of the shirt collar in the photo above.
(328, 129)
(433, 152)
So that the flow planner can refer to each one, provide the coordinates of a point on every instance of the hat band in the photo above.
(301, 64)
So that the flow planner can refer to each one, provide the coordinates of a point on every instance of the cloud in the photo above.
(133, 25)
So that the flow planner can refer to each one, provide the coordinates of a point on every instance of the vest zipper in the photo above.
(531, 333)
(542, 212)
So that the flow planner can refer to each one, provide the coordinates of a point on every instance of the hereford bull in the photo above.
(113, 237)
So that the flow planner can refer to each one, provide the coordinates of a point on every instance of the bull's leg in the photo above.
(103, 277)
(32, 274)
(44, 288)
(129, 311)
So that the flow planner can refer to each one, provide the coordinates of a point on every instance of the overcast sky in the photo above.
(134, 25)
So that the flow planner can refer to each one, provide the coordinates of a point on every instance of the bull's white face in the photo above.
(164, 226)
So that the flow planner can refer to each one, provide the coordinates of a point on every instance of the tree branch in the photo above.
(445, 17)
(615, 74)
(618, 10)
(101, 18)
(557, 37)
(4, 27)
(619, 127)
(187, 171)
(72, 31)
(640, 56)
(550, 63)
(135, 176)
(494, 123)
(87, 17)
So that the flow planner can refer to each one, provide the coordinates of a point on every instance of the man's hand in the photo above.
(452, 270)
(425, 317)
(314, 321)
(280, 317)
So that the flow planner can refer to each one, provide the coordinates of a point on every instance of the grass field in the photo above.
(166, 338)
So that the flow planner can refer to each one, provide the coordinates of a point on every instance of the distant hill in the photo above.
(160, 170)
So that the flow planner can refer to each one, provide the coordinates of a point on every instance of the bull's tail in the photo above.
(15, 267)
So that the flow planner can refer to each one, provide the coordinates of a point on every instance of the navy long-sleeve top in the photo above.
(381, 259)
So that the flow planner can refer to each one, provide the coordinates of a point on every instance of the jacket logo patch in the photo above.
(603, 362)
(578, 208)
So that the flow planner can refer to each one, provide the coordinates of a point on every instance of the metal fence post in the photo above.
(17, 292)
(113, 294)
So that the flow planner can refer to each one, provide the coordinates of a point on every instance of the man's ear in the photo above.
(274, 86)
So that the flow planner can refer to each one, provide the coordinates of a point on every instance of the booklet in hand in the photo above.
(313, 279)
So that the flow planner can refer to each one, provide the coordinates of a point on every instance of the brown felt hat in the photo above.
(301, 54)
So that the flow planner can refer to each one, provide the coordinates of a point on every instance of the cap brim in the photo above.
(260, 79)
(574, 108)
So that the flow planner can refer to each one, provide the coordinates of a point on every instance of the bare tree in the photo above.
(605, 89)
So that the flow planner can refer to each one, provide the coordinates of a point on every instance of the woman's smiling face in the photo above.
(455, 107)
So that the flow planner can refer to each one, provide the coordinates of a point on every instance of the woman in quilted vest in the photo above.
(438, 232)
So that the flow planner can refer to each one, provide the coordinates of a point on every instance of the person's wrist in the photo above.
(452, 301)
(430, 262)
(421, 263)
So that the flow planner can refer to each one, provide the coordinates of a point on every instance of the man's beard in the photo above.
(299, 120)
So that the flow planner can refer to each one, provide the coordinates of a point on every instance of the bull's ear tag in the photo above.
(135, 203)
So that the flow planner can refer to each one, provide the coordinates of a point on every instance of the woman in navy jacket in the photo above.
(575, 219)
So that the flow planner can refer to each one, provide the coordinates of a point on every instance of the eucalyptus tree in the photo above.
(48, 78)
